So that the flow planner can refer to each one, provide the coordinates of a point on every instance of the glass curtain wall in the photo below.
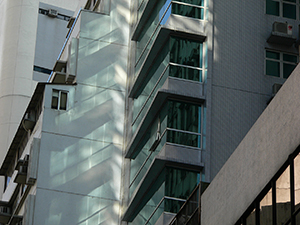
(159, 16)
(173, 187)
(279, 203)
(180, 58)
(179, 123)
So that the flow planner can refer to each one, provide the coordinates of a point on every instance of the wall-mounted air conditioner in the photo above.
(282, 34)
(52, 13)
(283, 28)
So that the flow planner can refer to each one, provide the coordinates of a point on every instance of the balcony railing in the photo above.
(173, 70)
(177, 137)
(167, 204)
(170, 7)
(189, 214)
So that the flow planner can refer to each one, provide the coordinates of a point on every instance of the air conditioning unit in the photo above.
(52, 13)
(283, 28)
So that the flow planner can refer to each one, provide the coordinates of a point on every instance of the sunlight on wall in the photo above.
(120, 75)
(125, 12)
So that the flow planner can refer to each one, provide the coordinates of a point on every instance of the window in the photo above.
(59, 16)
(59, 100)
(283, 8)
(280, 64)
(42, 69)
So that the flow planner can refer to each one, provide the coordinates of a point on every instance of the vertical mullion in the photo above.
(257, 213)
(59, 98)
(292, 189)
(274, 213)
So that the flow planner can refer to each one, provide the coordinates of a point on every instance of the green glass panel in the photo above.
(187, 11)
(272, 55)
(290, 1)
(287, 70)
(183, 116)
(290, 58)
(289, 11)
(145, 211)
(272, 68)
(185, 52)
(272, 8)
(148, 31)
(181, 138)
(185, 73)
(179, 184)
(172, 206)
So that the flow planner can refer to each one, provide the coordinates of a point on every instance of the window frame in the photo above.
(281, 62)
(281, 3)
(60, 93)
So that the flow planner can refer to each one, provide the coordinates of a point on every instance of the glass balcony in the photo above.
(165, 195)
(167, 204)
(159, 17)
(144, 100)
(169, 135)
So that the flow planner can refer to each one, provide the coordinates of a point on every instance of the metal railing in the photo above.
(189, 213)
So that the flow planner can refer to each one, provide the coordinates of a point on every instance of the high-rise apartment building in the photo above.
(202, 72)
(146, 100)
(32, 33)
(63, 165)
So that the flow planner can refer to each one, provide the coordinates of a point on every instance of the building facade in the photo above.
(64, 163)
(30, 41)
(146, 100)
(201, 73)
(260, 182)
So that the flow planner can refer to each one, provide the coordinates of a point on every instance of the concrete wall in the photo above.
(66, 4)
(16, 84)
(265, 148)
(19, 47)
(238, 88)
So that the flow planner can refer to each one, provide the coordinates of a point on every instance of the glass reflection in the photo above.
(283, 199)
(266, 209)
(250, 220)
(298, 219)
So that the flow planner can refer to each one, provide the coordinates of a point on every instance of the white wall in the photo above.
(16, 84)
(66, 4)
(79, 176)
